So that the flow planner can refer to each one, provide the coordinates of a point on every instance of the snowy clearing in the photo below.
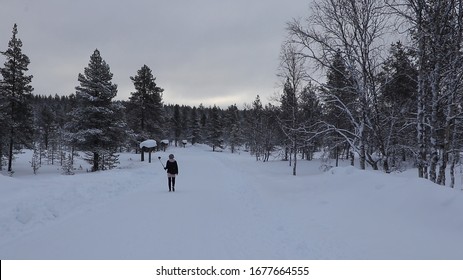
(226, 206)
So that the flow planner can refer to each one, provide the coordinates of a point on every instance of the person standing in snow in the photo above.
(172, 171)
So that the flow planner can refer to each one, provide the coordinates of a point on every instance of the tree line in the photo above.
(384, 104)
(91, 121)
(345, 93)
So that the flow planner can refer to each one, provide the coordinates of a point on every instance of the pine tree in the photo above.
(271, 132)
(254, 128)
(215, 129)
(235, 137)
(177, 124)
(398, 103)
(3, 135)
(68, 165)
(95, 125)
(311, 115)
(195, 135)
(145, 110)
(203, 120)
(232, 127)
(288, 117)
(46, 122)
(35, 161)
(186, 130)
(15, 96)
(340, 107)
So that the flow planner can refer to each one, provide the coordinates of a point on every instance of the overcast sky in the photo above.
(219, 52)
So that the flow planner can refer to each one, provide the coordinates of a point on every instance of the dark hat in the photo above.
(171, 156)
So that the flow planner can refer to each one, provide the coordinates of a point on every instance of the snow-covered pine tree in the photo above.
(95, 124)
(68, 165)
(35, 161)
(15, 95)
(110, 160)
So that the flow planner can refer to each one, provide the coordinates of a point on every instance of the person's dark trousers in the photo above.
(171, 183)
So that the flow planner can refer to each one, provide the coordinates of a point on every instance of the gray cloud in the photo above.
(203, 51)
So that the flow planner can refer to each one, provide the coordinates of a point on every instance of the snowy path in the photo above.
(229, 207)
(213, 214)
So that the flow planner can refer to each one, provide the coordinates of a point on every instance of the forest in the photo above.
(349, 92)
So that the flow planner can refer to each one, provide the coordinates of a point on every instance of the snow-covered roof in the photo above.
(165, 141)
(150, 143)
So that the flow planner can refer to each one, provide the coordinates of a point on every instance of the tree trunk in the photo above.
(96, 161)
(362, 155)
(454, 156)
(444, 156)
(434, 126)
(291, 158)
(386, 165)
(452, 171)
(421, 110)
(10, 152)
(295, 157)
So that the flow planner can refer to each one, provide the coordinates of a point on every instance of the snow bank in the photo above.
(33, 202)
(342, 171)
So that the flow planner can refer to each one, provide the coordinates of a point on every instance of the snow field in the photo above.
(227, 206)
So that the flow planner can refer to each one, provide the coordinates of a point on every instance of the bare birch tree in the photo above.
(355, 30)
(293, 71)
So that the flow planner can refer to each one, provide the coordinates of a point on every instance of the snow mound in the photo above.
(30, 203)
(150, 143)
(342, 171)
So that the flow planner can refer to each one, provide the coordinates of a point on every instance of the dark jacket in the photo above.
(172, 167)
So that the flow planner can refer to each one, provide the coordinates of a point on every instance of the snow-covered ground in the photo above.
(226, 206)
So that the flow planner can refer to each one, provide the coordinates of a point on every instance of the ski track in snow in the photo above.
(227, 206)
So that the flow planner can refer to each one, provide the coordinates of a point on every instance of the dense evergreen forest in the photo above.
(387, 106)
